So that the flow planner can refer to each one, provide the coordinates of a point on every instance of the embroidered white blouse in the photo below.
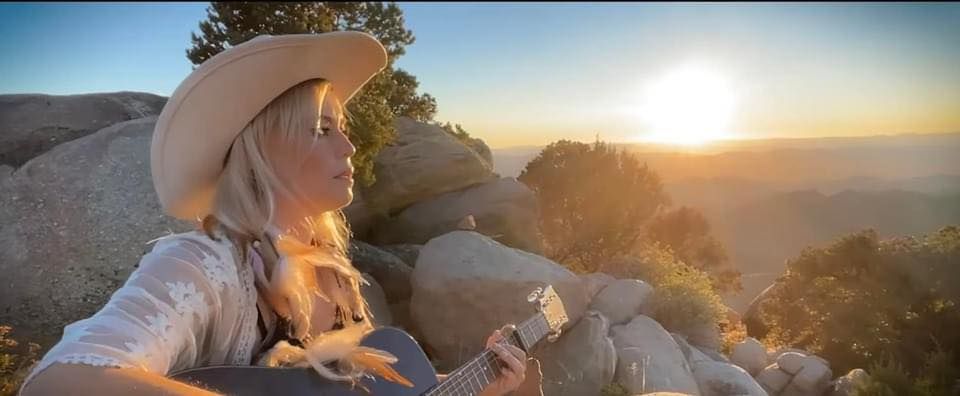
(187, 305)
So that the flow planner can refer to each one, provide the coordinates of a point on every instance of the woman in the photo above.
(252, 144)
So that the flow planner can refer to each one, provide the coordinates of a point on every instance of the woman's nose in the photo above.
(349, 149)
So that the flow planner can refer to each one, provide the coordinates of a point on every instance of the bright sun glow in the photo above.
(689, 106)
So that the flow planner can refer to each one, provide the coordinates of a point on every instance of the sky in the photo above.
(533, 73)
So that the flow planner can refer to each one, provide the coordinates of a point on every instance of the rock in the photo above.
(468, 223)
(773, 379)
(77, 219)
(665, 394)
(31, 124)
(723, 379)
(774, 355)
(503, 209)
(713, 354)
(424, 161)
(594, 282)
(580, 362)
(377, 301)
(813, 378)
(750, 354)
(791, 362)
(360, 216)
(392, 274)
(703, 335)
(845, 385)
(466, 285)
(6, 172)
(649, 360)
(407, 252)
(622, 299)
(481, 148)
(691, 353)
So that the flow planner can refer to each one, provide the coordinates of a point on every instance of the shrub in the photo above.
(15, 363)
(683, 296)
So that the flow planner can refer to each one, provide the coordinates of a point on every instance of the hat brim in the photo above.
(220, 97)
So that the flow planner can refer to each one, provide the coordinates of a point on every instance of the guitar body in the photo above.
(411, 363)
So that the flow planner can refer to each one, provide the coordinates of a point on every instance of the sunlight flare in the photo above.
(692, 105)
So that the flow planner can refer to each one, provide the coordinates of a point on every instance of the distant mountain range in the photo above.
(768, 199)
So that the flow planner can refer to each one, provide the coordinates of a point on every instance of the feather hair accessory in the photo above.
(292, 288)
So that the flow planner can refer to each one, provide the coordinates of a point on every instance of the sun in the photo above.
(692, 105)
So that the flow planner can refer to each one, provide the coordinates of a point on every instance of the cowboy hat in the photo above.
(220, 97)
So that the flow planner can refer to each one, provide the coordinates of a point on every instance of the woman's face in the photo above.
(318, 179)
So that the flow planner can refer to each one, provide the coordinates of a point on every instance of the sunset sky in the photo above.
(529, 74)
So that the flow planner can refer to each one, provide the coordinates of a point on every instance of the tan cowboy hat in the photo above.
(212, 105)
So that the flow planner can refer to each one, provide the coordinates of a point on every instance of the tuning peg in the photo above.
(535, 294)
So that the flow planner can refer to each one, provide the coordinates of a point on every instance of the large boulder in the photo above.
(649, 360)
(622, 299)
(773, 379)
(847, 384)
(691, 353)
(389, 271)
(407, 252)
(504, 209)
(31, 124)
(377, 300)
(594, 282)
(424, 161)
(359, 215)
(580, 362)
(750, 354)
(812, 379)
(76, 221)
(723, 379)
(466, 285)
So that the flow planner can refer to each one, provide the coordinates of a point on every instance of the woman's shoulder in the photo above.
(216, 242)
(214, 256)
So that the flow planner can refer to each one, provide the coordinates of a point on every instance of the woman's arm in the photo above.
(63, 379)
(157, 322)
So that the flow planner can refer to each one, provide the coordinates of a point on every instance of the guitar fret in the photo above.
(485, 368)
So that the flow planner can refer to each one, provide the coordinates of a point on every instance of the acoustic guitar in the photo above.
(412, 364)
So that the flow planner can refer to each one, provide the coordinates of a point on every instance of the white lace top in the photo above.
(187, 305)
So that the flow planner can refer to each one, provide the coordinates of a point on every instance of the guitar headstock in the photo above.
(550, 305)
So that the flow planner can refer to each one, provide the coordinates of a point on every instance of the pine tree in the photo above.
(390, 93)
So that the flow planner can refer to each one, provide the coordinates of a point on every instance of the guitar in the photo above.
(412, 364)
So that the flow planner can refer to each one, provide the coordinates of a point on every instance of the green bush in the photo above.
(15, 362)
(683, 296)
(614, 389)
(939, 377)
(861, 300)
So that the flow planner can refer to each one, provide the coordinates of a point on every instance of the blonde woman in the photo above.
(253, 146)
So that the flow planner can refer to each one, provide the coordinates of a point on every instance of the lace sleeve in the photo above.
(162, 319)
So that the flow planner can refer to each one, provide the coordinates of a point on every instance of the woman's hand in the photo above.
(514, 358)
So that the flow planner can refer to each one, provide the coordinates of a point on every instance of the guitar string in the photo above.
(490, 358)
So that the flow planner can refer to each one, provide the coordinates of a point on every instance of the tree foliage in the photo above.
(593, 200)
(390, 93)
(687, 233)
(861, 301)
(597, 202)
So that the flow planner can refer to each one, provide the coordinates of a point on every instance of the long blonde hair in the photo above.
(245, 203)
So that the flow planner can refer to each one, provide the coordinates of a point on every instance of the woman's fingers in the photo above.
(510, 358)
(493, 338)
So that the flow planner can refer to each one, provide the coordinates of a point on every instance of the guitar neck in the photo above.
(484, 368)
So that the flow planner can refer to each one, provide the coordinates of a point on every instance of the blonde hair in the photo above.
(245, 203)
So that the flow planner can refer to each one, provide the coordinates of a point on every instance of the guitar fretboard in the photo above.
(483, 369)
